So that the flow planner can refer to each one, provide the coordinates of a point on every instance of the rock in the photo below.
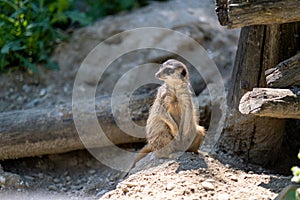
(56, 180)
(40, 175)
(223, 196)
(11, 180)
(92, 171)
(234, 178)
(2, 180)
(68, 178)
(33, 103)
(207, 185)
(43, 92)
(170, 186)
(130, 184)
(102, 192)
(124, 188)
(29, 177)
(52, 187)
(201, 27)
(26, 88)
(210, 180)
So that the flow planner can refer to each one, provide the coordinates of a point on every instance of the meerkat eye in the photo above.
(183, 73)
(169, 71)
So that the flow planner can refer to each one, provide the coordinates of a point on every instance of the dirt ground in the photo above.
(78, 175)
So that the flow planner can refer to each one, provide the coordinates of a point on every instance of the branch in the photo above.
(267, 102)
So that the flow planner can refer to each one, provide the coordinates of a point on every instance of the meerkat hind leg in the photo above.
(197, 140)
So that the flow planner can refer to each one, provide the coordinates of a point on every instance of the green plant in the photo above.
(30, 29)
(296, 172)
(29, 33)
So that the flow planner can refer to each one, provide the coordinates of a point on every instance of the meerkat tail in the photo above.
(144, 151)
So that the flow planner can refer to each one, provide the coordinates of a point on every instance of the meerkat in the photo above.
(172, 124)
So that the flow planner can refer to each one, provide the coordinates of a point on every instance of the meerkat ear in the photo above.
(183, 73)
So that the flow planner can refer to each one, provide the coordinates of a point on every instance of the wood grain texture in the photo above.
(285, 74)
(241, 13)
(52, 130)
(269, 102)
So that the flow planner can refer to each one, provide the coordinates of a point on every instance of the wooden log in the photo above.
(52, 130)
(269, 102)
(285, 74)
(241, 13)
(246, 135)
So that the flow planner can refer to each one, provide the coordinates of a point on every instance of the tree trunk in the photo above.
(241, 13)
(256, 139)
(47, 131)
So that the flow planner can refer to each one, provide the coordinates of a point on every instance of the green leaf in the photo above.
(28, 64)
(12, 46)
(79, 17)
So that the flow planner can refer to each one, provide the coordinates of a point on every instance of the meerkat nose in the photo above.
(157, 74)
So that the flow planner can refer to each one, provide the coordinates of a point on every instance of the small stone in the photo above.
(40, 175)
(33, 103)
(52, 187)
(207, 185)
(76, 187)
(223, 196)
(26, 88)
(254, 198)
(56, 180)
(102, 192)
(20, 98)
(124, 188)
(29, 178)
(43, 92)
(234, 178)
(92, 171)
(170, 186)
(68, 178)
(66, 89)
(2, 180)
(210, 180)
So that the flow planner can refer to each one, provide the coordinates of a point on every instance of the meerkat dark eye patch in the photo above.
(169, 71)
(183, 73)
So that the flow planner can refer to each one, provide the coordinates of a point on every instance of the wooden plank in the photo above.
(285, 74)
(269, 102)
(241, 13)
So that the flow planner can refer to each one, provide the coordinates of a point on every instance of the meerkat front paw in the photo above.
(177, 136)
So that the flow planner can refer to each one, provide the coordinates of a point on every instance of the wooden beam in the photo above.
(241, 13)
(269, 102)
(285, 74)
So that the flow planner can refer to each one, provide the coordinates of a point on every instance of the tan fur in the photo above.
(173, 122)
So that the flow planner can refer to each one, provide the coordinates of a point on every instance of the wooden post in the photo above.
(256, 139)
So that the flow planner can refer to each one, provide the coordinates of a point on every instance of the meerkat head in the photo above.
(173, 71)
